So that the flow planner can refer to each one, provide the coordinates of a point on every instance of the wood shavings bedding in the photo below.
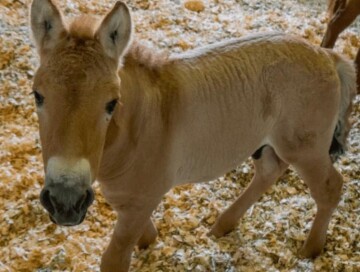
(270, 234)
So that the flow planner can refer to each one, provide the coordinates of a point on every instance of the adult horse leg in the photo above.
(339, 4)
(343, 17)
(268, 168)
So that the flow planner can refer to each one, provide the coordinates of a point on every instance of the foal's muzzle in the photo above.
(67, 205)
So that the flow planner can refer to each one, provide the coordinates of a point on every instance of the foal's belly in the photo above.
(193, 171)
(217, 129)
(209, 157)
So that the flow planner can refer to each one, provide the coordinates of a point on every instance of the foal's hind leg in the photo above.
(325, 185)
(268, 168)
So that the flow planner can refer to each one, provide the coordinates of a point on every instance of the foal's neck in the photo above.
(149, 86)
(149, 92)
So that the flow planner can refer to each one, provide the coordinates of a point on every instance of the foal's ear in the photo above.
(115, 31)
(46, 24)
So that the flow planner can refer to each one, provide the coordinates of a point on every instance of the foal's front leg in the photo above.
(130, 227)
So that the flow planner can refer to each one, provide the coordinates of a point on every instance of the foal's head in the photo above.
(76, 90)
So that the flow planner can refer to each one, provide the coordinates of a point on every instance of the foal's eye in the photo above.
(110, 106)
(39, 99)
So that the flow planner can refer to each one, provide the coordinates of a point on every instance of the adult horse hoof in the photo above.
(309, 253)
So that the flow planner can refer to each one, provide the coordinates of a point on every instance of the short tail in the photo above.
(347, 75)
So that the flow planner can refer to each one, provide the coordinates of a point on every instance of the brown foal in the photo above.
(183, 118)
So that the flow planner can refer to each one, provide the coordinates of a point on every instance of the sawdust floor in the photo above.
(271, 232)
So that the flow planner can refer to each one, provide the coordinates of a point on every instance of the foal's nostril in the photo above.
(57, 206)
(85, 201)
(89, 198)
(79, 203)
(46, 201)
